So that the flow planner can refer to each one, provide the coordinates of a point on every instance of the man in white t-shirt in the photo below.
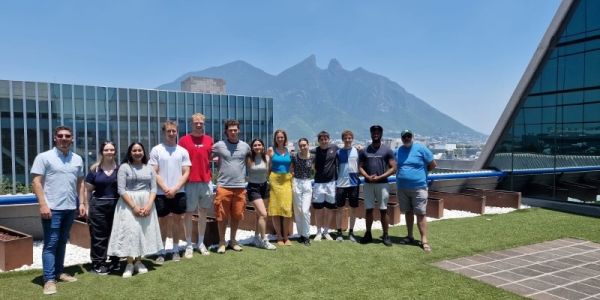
(171, 163)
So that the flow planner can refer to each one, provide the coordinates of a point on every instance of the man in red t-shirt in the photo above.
(198, 189)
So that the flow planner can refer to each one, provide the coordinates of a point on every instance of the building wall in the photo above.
(203, 85)
(556, 126)
(30, 110)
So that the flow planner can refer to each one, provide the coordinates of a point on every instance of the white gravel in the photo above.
(76, 255)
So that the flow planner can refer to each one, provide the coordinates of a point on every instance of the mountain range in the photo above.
(308, 99)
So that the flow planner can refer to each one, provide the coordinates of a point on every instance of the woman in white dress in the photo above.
(135, 231)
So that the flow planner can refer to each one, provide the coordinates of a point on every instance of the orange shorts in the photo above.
(230, 203)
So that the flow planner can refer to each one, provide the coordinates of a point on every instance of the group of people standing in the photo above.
(134, 206)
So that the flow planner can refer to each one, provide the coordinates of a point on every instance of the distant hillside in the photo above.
(308, 99)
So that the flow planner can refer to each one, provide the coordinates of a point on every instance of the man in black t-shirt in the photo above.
(324, 188)
(376, 164)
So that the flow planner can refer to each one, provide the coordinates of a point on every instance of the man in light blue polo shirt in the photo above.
(57, 178)
(414, 162)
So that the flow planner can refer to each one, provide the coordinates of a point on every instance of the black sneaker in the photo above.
(301, 239)
(306, 242)
(114, 266)
(386, 240)
(367, 238)
(101, 270)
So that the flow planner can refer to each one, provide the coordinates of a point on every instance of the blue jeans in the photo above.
(56, 234)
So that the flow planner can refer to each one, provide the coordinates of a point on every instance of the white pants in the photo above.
(302, 196)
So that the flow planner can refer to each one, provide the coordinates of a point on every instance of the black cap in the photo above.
(376, 127)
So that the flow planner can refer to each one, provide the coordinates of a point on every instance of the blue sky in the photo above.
(464, 57)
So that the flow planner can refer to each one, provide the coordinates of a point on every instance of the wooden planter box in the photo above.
(435, 208)
(497, 198)
(333, 224)
(16, 249)
(211, 234)
(80, 234)
(464, 202)
(249, 221)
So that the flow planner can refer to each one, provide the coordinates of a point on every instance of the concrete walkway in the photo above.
(560, 269)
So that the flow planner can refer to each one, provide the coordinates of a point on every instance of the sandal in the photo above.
(426, 247)
(407, 240)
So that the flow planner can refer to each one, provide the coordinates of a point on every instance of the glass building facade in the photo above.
(550, 147)
(29, 111)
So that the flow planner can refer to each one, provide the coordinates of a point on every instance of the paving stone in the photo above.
(545, 296)
(495, 255)
(509, 253)
(567, 293)
(491, 279)
(486, 268)
(518, 262)
(518, 289)
(510, 276)
(533, 258)
(585, 272)
(561, 269)
(465, 262)
(542, 267)
(584, 247)
(469, 272)
(527, 272)
(581, 257)
(481, 259)
(592, 281)
(573, 241)
(553, 279)
(570, 275)
(584, 288)
(502, 265)
(569, 261)
(557, 264)
(537, 284)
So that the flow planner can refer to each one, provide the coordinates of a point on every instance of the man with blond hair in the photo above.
(198, 188)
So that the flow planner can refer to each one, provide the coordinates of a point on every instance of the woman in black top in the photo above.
(101, 182)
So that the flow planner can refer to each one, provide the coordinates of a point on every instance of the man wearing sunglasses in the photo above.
(57, 178)
(414, 162)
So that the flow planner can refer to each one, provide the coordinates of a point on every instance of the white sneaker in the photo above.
(267, 245)
(128, 271)
(140, 268)
(160, 260)
(318, 237)
(328, 237)
(176, 256)
(189, 252)
(203, 250)
(339, 238)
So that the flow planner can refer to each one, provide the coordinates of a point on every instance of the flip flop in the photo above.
(407, 240)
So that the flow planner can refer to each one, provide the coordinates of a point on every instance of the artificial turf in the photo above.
(327, 269)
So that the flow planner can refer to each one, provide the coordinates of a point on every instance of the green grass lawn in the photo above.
(328, 269)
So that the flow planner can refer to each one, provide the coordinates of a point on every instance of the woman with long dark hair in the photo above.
(101, 184)
(257, 163)
(135, 230)
(303, 165)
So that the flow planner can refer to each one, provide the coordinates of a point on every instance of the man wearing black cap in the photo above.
(414, 161)
(376, 164)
